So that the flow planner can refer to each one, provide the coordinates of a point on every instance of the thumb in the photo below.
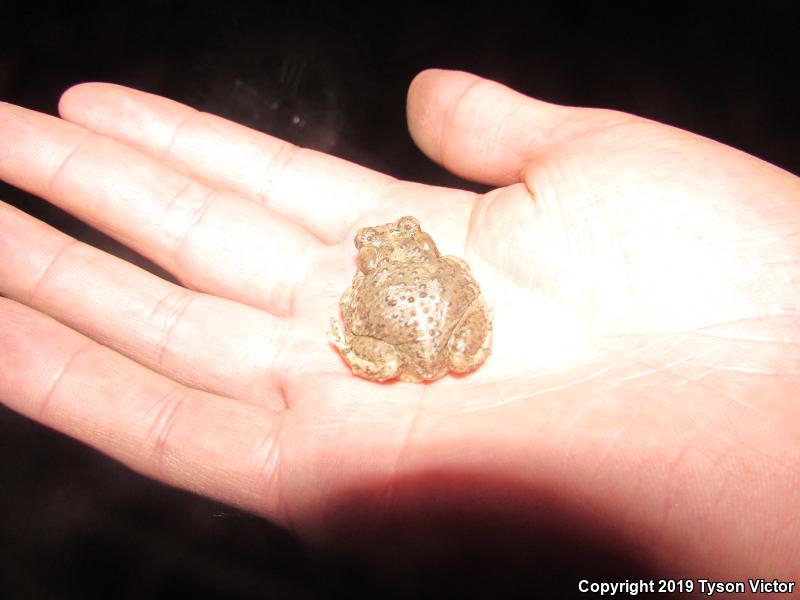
(485, 131)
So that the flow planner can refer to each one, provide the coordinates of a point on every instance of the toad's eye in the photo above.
(364, 237)
(408, 225)
(367, 259)
(425, 243)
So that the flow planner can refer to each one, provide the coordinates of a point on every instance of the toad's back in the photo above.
(412, 304)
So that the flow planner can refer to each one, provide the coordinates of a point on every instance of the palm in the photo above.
(602, 259)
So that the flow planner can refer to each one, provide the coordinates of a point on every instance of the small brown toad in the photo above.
(410, 313)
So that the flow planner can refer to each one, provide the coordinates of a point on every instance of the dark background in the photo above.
(74, 524)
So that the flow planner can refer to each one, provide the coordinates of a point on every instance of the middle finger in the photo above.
(211, 241)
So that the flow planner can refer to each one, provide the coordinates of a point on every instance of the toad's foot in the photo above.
(368, 357)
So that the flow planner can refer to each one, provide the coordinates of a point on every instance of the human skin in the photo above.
(644, 282)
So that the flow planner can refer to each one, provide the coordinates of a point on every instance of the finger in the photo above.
(199, 340)
(321, 192)
(484, 131)
(213, 242)
(184, 437)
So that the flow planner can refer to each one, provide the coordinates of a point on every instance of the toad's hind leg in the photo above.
(471, 341)
(368, 357)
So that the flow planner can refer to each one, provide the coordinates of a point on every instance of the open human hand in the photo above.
(643, 280)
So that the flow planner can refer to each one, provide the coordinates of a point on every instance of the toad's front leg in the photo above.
(471, 340)
(368, 357)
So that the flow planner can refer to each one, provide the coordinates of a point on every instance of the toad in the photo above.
(410, 313)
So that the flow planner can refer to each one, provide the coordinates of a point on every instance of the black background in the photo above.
(74, 524)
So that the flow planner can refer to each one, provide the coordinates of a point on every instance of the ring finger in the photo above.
(200, 340)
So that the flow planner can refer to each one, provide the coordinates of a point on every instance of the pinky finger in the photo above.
(184, 437)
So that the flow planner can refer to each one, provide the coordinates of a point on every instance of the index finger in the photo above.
(322, 193)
